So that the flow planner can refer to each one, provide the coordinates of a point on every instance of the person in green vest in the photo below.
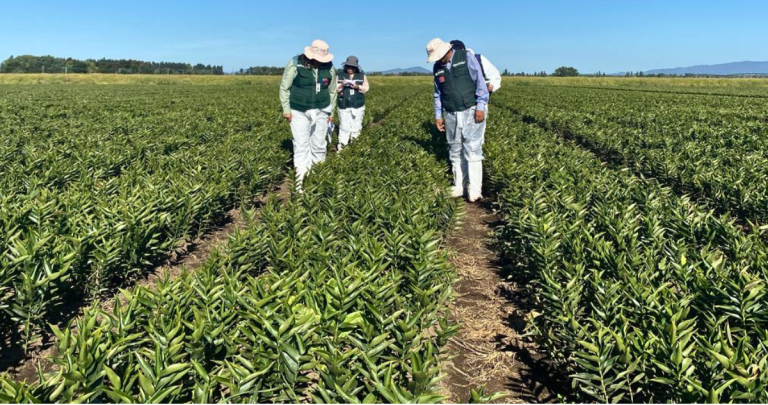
(352, 87)
(308, 95)
(461, 95)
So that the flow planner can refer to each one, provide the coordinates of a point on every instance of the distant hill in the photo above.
(733, 68)
(414, 69)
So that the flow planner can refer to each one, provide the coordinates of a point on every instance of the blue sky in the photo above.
(529, 35)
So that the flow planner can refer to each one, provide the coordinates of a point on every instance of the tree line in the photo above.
(51, 64)
(261, 71)
(562, 71)
(277, 71)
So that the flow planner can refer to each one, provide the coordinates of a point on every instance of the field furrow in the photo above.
(627, 215)
(711, 148)
(338, 295)
(640, 295)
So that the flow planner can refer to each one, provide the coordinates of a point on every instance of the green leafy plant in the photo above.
(634, 287)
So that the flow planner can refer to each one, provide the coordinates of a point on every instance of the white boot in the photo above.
(339, 147)
(475, 170)
(458, 181)
(300, 173)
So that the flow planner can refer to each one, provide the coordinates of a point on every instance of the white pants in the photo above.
(309, 141)
(465, 150)
(351, 124)
(465, 136)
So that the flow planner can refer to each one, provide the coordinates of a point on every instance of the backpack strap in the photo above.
(479, 60)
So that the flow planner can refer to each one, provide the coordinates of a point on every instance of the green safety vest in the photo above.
(351, 98)
(305, 94)
(457, 89)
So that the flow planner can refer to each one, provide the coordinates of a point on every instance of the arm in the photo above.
(365, 87)
(285, 86)
(491, 73)
(438, 103)
(481, 91)
(438, 109)
(332, 91)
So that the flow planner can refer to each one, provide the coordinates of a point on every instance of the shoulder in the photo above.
(474, 60)
(292, 65)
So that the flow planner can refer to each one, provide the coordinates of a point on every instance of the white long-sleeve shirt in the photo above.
(492, 74)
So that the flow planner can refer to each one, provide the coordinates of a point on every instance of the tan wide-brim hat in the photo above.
(436, 49)
(318, 51)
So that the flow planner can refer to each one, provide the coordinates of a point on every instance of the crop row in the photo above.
(58, 243)
(118, 179)
(638, 294)
(54, 136)
(336, 295)
(58, 136)
(709, 147)
(724, 87)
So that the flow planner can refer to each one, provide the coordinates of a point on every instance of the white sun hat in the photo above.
(318, 51)
(436, 49)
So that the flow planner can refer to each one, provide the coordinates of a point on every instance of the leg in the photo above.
(453, 137)
(302, 161)
(357, 123)
(345, 130)
(474, 138)
(318, 143)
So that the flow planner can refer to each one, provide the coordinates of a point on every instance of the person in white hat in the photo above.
(308, 95)
(352, 87)
(460, 93)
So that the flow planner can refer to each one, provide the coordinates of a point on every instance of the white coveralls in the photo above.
(351, 119)
(465, 150)
(308, 127)
(464, 135)
(309, 142)
(351, 125)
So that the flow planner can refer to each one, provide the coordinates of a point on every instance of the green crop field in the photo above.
(633, 213)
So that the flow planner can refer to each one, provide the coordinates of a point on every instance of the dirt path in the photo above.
(489, 348)
(188, 257)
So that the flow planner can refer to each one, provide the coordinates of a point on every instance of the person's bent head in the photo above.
(317, 53)
(439, 51)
